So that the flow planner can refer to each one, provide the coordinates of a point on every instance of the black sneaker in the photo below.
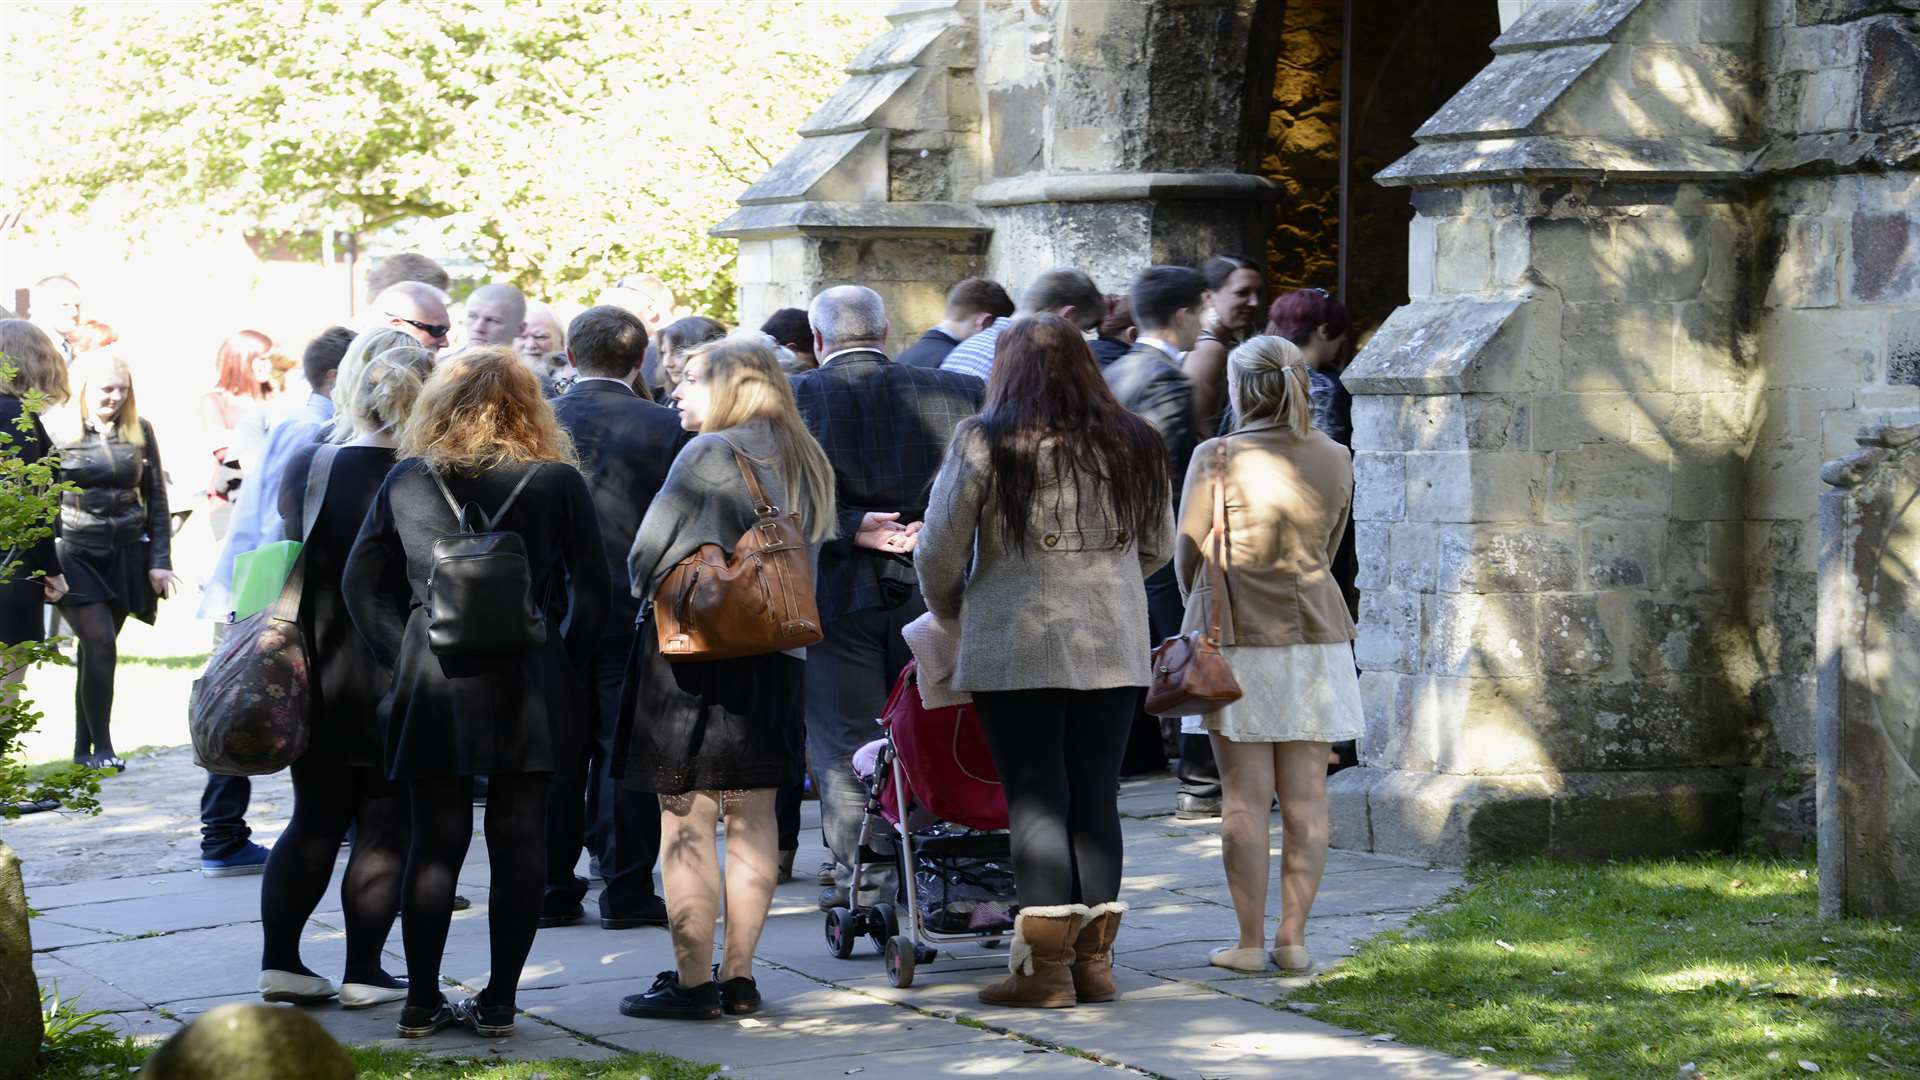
(420, 1021)
(486, 1021)
(668, 1000)
(738, 997)
(1195, 807)
(652, 912)
(562, 915)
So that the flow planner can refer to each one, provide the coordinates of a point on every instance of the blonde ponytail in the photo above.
(1267, 380)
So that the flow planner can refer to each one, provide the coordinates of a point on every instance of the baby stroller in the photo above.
(934, 793)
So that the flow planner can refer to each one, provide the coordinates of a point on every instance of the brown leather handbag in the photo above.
(1190, 677)
(715, 606)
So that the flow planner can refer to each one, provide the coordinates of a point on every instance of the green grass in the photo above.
(1636, 969)
(96, 1053)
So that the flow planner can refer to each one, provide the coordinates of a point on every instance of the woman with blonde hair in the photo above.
(712, 739)
(38, 381)
(475, 694)
(341, 781)
(115, 536)
(346, 385)
(1286, 633)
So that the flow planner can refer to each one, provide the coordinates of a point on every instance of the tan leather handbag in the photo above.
(1190, 677)
(715, 606)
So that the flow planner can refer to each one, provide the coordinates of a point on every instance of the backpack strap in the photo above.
(459, 515)
(494, 521)
(287, 607)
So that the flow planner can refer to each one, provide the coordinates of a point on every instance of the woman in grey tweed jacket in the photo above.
(1051, 508)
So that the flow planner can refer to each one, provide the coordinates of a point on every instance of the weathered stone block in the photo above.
(1622, 554)
(1481, 486)
(1704, 555)
(1450, 345)
(1784, 481)
(1642, 723)
(1400, 731)
(1480, 634)
(1819, 349)
(1731, 22)
(1808, 12)
(1828, 100)
(1807, 275)
(1370, 545)
(1507, 558)
(1665, 257)
(1379, 486)
(1439, 422)
(1578, 257)
(1675, 638)
(1886, 258)
(1567, 421)
(1708, 482)
(1709, 351)
(20, 1020)
(1903, 348)
(1608, 815)
(1610, 480)
(1423, 247)
(1776, 547)
(1512, 94)
(1389, 631)
(1692, 418)
(1413, 555)
(1540, 25)
(1785, 415)
(1783, 622)
(1573, 637)
(1890, 81)
(1454, 819)
(1464, 260)
(1611, 346)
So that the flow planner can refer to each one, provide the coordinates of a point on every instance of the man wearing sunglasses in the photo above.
(416, 309)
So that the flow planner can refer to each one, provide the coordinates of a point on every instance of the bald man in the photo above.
(414, 308)
(495, 314)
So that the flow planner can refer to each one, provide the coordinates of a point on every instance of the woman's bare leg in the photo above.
(1246, 802)
(1300, 773)
(690, 877)
(753, 867)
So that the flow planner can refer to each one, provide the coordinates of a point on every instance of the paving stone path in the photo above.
(129, 926)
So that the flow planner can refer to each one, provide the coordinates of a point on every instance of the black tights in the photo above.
(327, 799)
(96, 630)
(1058, 753)
(516, 826)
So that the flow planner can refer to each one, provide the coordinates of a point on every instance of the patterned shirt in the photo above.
(974, 356)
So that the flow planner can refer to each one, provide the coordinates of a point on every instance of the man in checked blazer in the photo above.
(885, 427)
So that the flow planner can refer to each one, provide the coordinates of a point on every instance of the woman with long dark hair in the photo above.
(1051, 509)
(1235, 289)
(341, 781)
(116, 537)
(480, 445)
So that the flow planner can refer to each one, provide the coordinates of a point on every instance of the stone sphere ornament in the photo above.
(251, 1042)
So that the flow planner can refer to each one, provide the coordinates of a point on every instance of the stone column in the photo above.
(1550, 443)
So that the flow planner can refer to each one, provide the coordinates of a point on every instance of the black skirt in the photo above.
(23, 613)
(116, 578)
(717, 726)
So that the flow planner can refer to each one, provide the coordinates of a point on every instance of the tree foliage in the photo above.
(566, 143)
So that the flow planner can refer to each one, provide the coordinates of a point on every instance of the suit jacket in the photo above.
(626, 444)
(929, 351)
(1151, 386)
(885, 427)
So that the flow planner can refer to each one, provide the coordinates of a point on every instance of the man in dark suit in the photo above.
(1167, 307)
(626, 444)
(885, 427)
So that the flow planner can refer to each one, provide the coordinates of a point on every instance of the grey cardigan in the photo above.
(703, 501)
(1068, 613)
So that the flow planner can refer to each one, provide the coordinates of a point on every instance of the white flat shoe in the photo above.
(366, 995)
(294, 988)
(1249, 960)
(1291, 958)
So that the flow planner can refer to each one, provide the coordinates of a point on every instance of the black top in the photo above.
(933, 347)
(1106, 350)
(626, 444)
(885, 428)
(32, 445)
(122, 497)
(346, 682)
(468, 716)
(1332, 406)
(1151, 386)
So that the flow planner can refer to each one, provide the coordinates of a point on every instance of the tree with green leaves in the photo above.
(566, 144)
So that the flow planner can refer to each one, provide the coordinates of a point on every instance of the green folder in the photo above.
(259, 575)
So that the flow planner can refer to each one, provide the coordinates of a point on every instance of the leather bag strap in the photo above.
(1217, 562)
(287, 607)
(761, 504)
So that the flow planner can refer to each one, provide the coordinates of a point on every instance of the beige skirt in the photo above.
(1291, 693)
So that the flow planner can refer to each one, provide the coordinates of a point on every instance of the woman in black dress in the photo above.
(341, 780)
(481, 429)
(714, 739)
(1235, 289)
(115, 537)
(35, 578)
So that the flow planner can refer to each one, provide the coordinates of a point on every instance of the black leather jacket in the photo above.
(1152, 387)
(122, 498)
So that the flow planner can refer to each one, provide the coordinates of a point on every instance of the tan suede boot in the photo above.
(1093, 953)
(1040, 959)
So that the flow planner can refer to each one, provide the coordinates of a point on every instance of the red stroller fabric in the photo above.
(944, 756)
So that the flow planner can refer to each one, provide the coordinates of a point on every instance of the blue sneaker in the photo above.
(251, 859)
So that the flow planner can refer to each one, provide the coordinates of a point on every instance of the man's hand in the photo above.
(883, 532)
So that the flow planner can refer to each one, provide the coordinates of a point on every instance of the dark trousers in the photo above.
(1058, 753)
(849, 675)
(1199, 776)
(787, 800)
(625, 824)
(223, 816)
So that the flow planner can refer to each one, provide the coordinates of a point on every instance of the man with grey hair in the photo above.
(1063, 291)
(885, 427)
(495, 315)
(413, 308)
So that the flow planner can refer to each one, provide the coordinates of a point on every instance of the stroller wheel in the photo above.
(842, 931)
(901, 957)
(884, 924)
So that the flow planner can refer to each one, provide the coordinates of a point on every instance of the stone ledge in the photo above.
(1459, 345)
(1551, 24)
(1511, 95)
(853, 106)
(1451, 819)
(1123, 187)
(769, 220)
(899, 47)
(1563, 157)
(857, 160)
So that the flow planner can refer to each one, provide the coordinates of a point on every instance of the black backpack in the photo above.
(480, 598)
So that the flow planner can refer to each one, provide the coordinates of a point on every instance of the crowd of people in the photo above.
(1054, 484)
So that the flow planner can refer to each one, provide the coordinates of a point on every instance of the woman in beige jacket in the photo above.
(1285, 632)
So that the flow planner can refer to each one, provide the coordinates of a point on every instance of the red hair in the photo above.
(233, 364)
(1295, 315)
